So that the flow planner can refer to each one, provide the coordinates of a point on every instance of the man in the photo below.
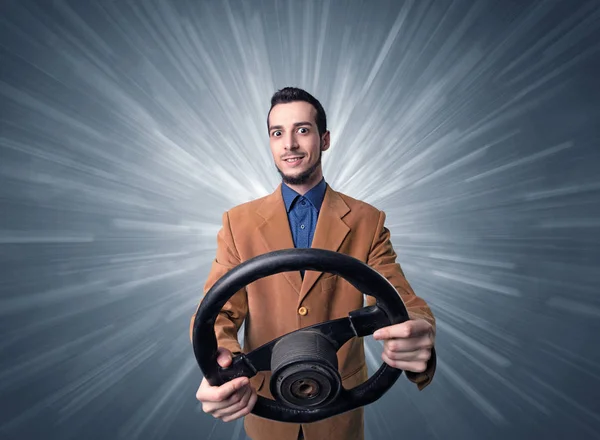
(304, 211)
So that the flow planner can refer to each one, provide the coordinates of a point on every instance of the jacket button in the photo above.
(302, 311)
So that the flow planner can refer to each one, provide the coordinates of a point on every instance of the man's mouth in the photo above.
(294, 159)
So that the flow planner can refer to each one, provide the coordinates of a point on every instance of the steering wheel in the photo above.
(305, 380)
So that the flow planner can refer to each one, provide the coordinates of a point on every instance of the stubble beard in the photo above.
(303, 177)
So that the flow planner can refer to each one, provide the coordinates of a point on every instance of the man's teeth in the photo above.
(293, 159)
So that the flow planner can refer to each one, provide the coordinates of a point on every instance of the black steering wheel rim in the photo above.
(360, 275)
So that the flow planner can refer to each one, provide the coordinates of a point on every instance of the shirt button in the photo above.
(301, 226)
(302, 311)
(303, 202)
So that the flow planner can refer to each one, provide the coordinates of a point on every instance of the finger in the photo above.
(234, 403)
(216, 408)
(236, 406)
(224, 357)
(203, 390)
(409, 344)
(244, 411)
(226, 390)
(415, 367)
(420, 355)
(206, 393)
(407, 329)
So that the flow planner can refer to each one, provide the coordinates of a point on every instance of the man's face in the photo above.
(295, 142)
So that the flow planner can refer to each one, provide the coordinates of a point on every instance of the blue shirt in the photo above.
(303, 212)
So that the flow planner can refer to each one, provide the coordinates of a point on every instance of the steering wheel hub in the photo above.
(304, 370)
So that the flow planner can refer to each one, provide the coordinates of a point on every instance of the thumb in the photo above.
(224, 357)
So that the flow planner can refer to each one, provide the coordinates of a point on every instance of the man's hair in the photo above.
(293, 94)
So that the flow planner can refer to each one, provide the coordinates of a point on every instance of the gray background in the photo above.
(127, 128)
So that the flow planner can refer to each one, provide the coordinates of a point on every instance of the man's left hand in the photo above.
(407, 346)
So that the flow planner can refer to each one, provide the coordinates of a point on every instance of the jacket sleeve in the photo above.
(382, 258)
(234, 311)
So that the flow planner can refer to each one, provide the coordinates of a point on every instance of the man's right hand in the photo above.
(230, 401)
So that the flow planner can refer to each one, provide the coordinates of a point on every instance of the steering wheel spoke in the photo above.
(361, 322)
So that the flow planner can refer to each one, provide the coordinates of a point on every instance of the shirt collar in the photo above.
(315, 195)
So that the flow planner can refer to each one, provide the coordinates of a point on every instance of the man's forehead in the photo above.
(292, 112)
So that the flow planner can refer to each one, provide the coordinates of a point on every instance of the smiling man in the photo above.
(304, 212)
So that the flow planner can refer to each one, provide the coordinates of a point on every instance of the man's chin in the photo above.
(295, 179)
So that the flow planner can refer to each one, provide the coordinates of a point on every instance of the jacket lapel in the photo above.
(329, 233)
(275, 231)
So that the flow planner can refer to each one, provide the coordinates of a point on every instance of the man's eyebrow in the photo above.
(296, 124)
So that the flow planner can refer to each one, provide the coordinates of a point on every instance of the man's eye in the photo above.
(303, 128)
(276, 133)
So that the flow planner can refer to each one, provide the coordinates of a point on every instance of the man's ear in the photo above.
(325, 141)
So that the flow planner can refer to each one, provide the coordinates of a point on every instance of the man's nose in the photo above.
(290, 142)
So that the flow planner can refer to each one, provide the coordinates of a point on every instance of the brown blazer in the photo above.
(270, 305)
